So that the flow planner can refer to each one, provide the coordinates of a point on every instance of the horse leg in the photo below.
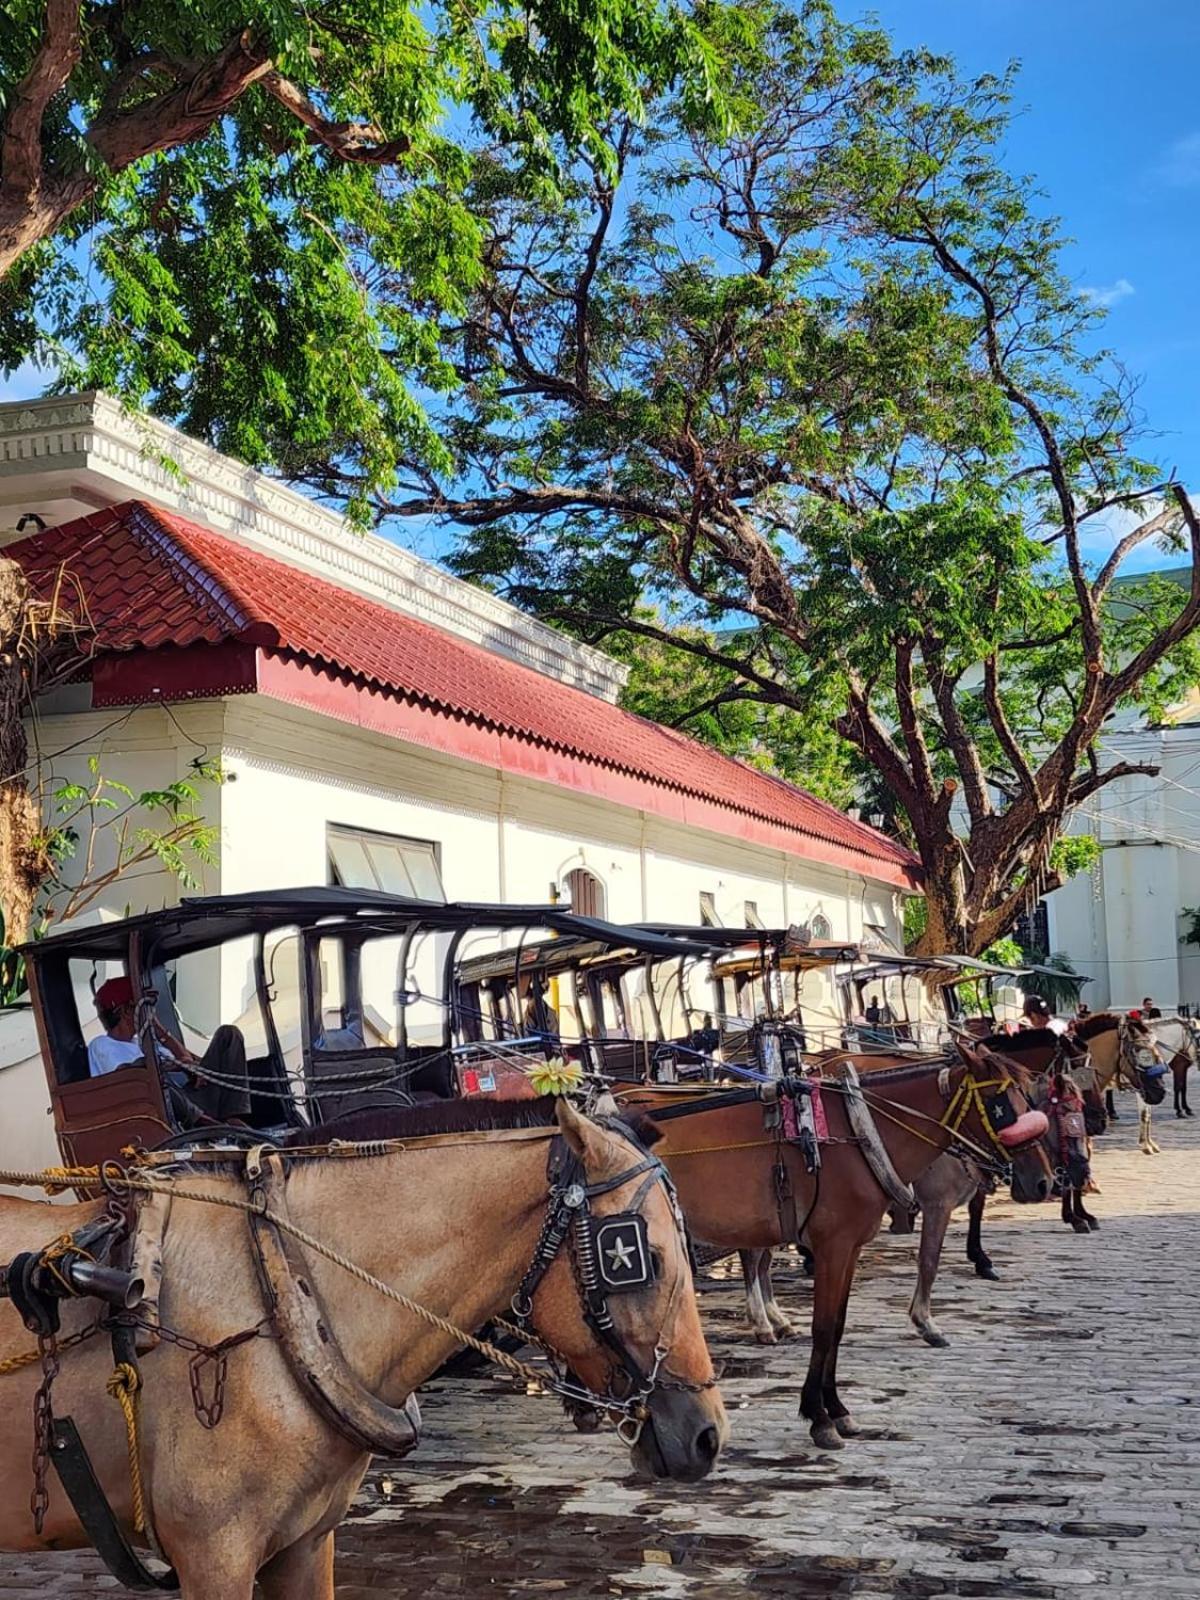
(975, 1251)
(304, 1571)
(935, 1219)
(1110, 1105)
(756, 1311)
(1179, 1086)
(782, 1324)
(1187, 1110)
(834, 1271)
(1078, 1215)
(1066, 1202)
(212, 1573)
(846, 1426)
(1146, 1142)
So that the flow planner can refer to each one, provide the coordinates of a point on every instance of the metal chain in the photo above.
(49, 1351)
(43, 1422)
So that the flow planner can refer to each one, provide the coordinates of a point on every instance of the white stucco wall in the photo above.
(1121, 922)
(291, 773)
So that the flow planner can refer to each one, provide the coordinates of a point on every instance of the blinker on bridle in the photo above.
(610, 1255)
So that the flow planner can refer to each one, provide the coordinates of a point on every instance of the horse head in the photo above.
(1139, 1062)
(1005, 1120)
(625, 1318)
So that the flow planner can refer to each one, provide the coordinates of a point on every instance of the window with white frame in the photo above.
(362, 859)
(820, 927)
(753, 920)
(708, 910)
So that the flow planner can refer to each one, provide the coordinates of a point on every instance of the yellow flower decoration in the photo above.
(557, 1077)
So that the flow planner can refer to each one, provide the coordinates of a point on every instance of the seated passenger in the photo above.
(212, 1088)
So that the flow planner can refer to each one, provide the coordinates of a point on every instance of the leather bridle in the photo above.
(610, 1255)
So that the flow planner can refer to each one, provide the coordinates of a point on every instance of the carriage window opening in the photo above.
(331, 957)
(360, 859)
(753, 920)
(585, 892)
(708, 910)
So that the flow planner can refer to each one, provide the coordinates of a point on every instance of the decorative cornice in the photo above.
(140, 457)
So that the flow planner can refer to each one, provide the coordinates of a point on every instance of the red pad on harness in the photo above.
(1033, 1125)
(791, 1116)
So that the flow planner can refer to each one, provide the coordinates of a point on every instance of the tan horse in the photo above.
(732, 1173)
(453, 1222)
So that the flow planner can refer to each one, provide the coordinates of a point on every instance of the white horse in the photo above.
(1179, 1040)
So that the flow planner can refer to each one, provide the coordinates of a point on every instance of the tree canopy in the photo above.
(813, 407)
(199, 199)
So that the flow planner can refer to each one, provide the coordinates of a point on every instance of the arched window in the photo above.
(820, 927)
(585, 892)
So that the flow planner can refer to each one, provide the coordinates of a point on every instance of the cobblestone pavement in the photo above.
(1052, 1452)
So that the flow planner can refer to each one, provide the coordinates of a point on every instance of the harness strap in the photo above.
(873, 1148)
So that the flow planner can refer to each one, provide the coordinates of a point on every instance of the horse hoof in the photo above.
(932, 1337)
(1080, 1225)
(826, 1437)
(1188, 1113)
(765, 1336)
(1179, 1116)
(1093, 1224)
(985, 1269)
(846, 1427)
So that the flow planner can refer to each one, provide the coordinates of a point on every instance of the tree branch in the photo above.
(21, 135)
(349, 141)
(1137, 536)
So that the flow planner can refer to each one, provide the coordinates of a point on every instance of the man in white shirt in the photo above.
(1037, 1014)
(209, 1088)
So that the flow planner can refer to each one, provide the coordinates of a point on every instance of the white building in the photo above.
(1122, 922)
(379, 720)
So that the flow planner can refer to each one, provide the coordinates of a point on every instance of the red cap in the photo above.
(115, 993)
(1136, 1014)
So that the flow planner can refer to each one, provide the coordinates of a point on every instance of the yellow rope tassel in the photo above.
(123, 1386)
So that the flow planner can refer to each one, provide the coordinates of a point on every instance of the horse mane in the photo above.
(482, 1115)
(1100, 1022)
(1017, 1070)
(1018, 1043)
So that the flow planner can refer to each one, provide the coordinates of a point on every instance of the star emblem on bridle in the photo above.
(621, 1256)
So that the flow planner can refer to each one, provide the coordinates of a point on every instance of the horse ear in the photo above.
(966, 1052)
(581, 1133)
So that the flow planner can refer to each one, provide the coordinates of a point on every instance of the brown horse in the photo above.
(454, 1221)
(745, 1186)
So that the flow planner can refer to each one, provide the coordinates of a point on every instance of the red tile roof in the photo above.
(145, 578)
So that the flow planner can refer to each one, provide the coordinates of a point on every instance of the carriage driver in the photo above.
(216, 1091)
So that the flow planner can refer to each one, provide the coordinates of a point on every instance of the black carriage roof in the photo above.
(728, 941)
(971, 965)
(201, 921)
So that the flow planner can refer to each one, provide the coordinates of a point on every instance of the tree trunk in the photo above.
(24, 865)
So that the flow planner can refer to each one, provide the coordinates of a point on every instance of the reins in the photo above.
(119, 1181)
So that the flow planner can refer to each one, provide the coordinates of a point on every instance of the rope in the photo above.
(16, 1363)
(90, 1176)
(124, 1386)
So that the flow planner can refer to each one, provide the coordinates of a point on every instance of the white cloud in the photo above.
(1180, 165)
(1107, 294)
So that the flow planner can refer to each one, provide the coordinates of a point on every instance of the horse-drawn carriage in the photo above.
(344, 999)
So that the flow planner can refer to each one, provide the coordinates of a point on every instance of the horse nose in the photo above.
(708, 1444)
(1044, 1188)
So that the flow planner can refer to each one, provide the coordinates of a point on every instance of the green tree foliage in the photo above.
(810, 409)
(200, 199)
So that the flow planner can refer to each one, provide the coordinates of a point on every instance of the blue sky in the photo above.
(1108, 122)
